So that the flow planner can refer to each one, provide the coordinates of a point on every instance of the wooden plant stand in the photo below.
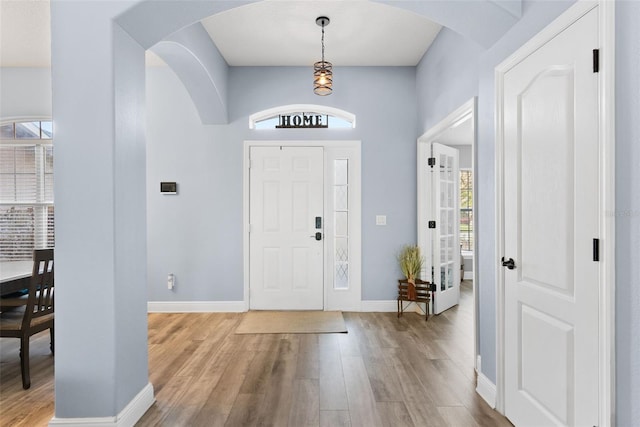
(424, 293)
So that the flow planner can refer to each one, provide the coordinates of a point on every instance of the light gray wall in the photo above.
(627, 213)
(536, 15)
(85, 106)
(25, 93)
(197, 235)
(451, 72)
(482, 20)
(200, 66)
(101, 346)
(460, 85)
(465, 156)
(447, 77)
(468, 263)
(130, 216)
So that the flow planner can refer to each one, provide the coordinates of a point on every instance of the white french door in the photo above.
(550, 184)
(443, 236)
(286, 228)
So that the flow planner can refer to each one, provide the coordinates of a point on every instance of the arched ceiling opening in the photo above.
(283, 33)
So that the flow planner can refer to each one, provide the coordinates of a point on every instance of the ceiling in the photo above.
(267, 33)
(460, 133)
(25, 32)
(281, 32)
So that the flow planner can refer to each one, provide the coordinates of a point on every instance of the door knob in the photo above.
(510, 263)
(317, 236)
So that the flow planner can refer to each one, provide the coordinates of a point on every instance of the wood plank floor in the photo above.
(384, 372)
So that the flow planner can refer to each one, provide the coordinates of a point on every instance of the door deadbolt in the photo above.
(510, 263)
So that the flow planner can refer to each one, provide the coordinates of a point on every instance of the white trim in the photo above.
(7, 120)
(344, 299)
(372, 306)
(460, 113)
(353, 147)
(346, 306)
(468, 275)
(390, 306)
(379, 306)
(126, 418)
(299, 108)
(27, 142)
(486, 389)
(607, 319)
(606, 118)
(499, 238)
(196, 307)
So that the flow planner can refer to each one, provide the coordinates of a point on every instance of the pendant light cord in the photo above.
(323, 43)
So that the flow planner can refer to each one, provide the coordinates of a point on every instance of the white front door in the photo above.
(444, 259)
(550, 223)
(285, 215)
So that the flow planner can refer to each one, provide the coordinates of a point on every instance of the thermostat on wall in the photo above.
(168, 188)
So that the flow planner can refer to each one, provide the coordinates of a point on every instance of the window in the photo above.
(302, 116)
(466, 210)
(316, 120)
(341, 223)
(26, 189)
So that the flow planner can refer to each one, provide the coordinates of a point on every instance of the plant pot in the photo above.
(411, 290)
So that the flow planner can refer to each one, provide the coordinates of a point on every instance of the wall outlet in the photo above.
(171, 281)
(381, 220)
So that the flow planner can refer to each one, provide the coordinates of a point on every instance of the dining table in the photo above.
(14, 276)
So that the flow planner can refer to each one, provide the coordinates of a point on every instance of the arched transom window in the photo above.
(302, 116)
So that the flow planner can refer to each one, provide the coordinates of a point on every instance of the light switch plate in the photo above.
(381, 220)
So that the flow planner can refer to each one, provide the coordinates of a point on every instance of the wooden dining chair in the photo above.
(23, 317)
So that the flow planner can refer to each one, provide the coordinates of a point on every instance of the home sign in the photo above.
(302, 121)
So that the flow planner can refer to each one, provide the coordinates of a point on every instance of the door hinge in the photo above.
(431, 161)
(596, 249)
(596, 60)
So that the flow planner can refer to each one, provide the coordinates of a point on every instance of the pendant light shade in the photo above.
(322, 70)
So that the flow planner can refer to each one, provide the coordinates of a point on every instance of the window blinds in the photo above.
(26, 197)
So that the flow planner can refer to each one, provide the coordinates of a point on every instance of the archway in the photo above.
(101, 362)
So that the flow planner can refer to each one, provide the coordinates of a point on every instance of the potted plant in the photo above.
(411, 263)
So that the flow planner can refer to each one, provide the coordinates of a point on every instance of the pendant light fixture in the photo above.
(322, 70)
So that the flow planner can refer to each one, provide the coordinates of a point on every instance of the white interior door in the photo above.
(550, 221)
(285, 198)
(444, 259)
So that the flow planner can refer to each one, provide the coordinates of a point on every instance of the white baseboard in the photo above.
(355, 307)
(379, 305)
(382, 306)
(128, 417)
(196, 306)
(486, 389)
(240, 306)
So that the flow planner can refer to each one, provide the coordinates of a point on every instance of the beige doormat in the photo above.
(292, 322)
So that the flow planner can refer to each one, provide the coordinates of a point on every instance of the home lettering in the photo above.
(301, 120)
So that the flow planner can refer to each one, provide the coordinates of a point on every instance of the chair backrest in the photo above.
(40, 302)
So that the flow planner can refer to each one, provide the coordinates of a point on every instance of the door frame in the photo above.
(606, 309)
(468, 108)
(334, 299)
